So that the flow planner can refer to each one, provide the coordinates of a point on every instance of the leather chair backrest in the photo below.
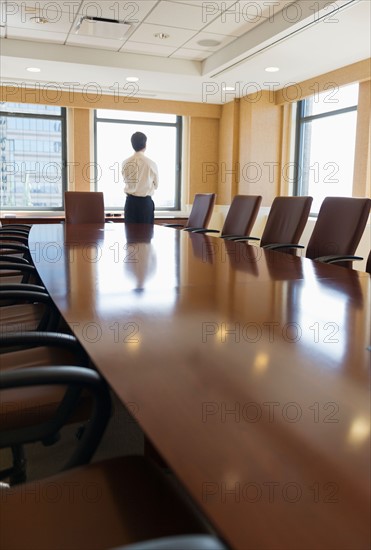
(339, 227)
(368, 263)
(84, 207)
(202, 209)
(286, 220)
(242, 215)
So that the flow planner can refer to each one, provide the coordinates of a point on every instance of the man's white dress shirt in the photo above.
(140, 175)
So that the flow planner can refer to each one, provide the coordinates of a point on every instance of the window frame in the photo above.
(178, 125)
(62, 118)
(301, 121)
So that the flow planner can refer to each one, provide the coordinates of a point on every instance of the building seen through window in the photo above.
(32, 156)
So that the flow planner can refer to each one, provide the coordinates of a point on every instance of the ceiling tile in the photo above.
(51, 10)
(37, 36)
(93, 42)
(145, 33)
(192, 55)
(149, 49)
(123, 10)
(178, 15)
(209, 6)
(60, 22)
(52, 5)
(223, 41)
(231, 26)
(253, 11)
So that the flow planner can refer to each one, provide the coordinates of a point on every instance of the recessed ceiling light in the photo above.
(272, 69)
(40, 20)
(33, 69)
(208, 42)
(132, 79)
(161, 35)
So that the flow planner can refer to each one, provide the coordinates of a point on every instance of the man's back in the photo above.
(140, 175)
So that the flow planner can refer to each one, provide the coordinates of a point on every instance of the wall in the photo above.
(241, 147)
(228, 167)
(203, 157)
(203, 125)
(260, 147)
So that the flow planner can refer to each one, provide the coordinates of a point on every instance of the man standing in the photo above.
(141, 179)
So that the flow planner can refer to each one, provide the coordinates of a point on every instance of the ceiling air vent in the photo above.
(102, 28)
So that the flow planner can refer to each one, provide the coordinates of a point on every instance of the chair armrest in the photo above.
(14, 246)
(16, 238)
(25, 340)
(22, 286)
(277, 246)
(22, 226)
(11, 266)
(25, 295)
(242, 239)
(51, 316)
(26, 270)
(334, 258)
(235, 237)
(76, 379)
(193, 229)
(9, 230)
(13, 259)
(31, 339)
(173, 225)
(205, 231)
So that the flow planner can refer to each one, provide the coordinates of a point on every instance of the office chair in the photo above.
(17, 226)
(15, 272)
(99, 506)
(338, 230)
(285, 224)
(13, 245)
(110, 504)
(7, 237)
(240, 218)
(26, 307)
(84, 207)
(32, 410)
(19, 250)
(368, 263)
(200, 215)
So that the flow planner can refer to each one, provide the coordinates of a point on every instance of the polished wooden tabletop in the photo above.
(249, 370)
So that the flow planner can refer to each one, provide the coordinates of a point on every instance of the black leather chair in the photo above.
(285, 224)
(84, 207)
(240, 218)
(200, 215)
(31, 414)
(368, 264)
(110, 504)
(338, 230)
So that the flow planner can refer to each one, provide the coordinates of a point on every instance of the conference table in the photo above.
(247, 369)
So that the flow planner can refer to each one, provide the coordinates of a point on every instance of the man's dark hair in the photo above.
(138, 141)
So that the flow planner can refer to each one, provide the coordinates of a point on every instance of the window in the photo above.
(113, 130)
(326, 136)
(33, 156)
